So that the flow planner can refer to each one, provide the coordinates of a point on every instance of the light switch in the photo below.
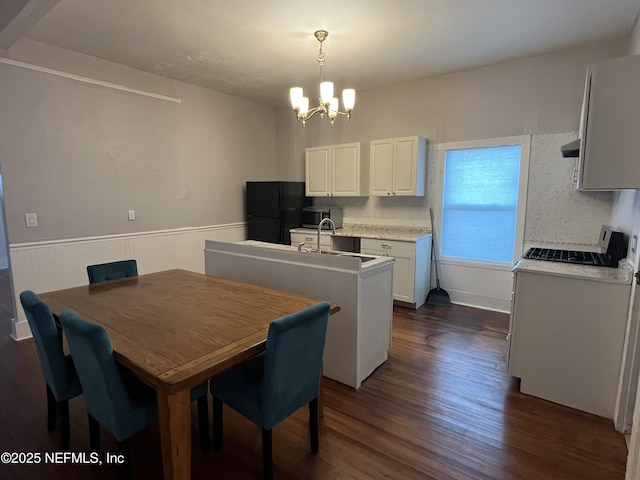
(132, 215)
(31, 219)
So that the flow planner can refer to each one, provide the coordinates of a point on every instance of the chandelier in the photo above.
(327, 103)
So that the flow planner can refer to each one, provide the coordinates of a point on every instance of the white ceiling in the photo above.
(257, 49)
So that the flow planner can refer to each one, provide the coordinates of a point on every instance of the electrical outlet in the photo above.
(31, 219)
(132, 215)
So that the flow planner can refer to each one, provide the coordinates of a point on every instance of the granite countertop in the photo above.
(406, 234)
(622, 274)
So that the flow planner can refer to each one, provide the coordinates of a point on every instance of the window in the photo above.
(483, 196)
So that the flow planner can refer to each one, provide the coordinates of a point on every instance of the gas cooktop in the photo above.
(571, 256)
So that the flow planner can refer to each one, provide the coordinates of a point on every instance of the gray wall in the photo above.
(539, 95)
(81, 155)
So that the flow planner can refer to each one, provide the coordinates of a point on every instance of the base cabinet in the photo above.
(308, 240)
(411, 271)
(566, 337)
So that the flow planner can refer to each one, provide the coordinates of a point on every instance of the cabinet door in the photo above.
(307, 239)
(403, 279)
(569, 352)
(381, 161)
(404, 268)
(405, 166)
(345, 170)
(609, 147)
(318, 171)
(398, 166)
(310, 240)
(512, 326)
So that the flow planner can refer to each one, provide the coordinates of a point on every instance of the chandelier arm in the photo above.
(312, 112)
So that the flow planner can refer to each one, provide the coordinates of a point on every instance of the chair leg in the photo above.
(94, 434)
(64, 425)
(217, 423)
(203, 422)
(313, 424)
(94, 438)
(267, 455)
(52, 405)
(124, 447)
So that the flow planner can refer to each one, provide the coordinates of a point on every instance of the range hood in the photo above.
(571, 149)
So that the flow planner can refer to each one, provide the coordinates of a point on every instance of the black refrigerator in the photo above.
(273, 208)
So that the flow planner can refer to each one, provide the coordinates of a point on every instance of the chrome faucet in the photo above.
(333, 227)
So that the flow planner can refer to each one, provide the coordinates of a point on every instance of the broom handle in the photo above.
(434, 248)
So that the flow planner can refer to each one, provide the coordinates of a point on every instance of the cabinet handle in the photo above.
(308, 239)
(393, 193)
(508, 337)
(388, 193)
(385, 246)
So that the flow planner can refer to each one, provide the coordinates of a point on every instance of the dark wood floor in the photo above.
(440, 408)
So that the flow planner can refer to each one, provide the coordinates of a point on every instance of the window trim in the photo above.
(524, 141)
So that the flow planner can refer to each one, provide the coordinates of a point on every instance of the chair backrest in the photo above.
(104, 389)
(57, 371)
(293, 362)
(112, 271)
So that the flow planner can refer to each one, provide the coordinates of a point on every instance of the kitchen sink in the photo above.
(363, 258)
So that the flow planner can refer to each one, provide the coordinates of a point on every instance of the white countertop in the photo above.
(406, 234)
(622, 274)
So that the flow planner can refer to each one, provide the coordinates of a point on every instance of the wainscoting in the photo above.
(479, 286)
(54, 265)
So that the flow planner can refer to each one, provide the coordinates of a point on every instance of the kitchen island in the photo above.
(359, 336)
(410, 246)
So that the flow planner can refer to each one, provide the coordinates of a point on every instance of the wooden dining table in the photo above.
(176, 329)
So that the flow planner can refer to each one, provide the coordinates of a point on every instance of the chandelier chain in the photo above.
(321, 36)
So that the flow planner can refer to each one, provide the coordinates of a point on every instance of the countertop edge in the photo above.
(623, 274)
(382, 233)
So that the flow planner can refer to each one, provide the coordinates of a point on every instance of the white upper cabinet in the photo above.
(609, 145)
(318, 171)
(335, 170)
(398, 166)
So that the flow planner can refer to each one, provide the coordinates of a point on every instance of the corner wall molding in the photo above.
(91, 81)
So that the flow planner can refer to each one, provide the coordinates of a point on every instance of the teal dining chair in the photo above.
(268, 388)
(58, 369)
(112, 271)
(115, 398)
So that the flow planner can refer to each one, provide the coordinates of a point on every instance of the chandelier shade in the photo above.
(327, 104)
